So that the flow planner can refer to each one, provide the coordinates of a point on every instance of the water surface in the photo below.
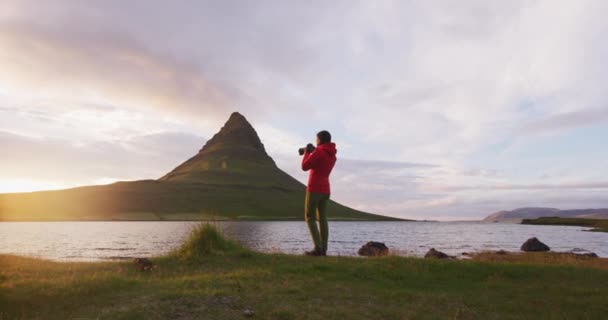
(87, 241)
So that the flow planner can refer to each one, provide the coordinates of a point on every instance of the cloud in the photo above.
(509, 187)
(44, 159)
(568, 120)
(357, 164)
(444, 101)
(113, 65)
(200, 58)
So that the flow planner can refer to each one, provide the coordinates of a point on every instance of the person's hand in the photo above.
(310, 148)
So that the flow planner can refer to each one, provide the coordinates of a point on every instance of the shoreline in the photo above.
(463, 256)
(596, 225)
(212, 277)
(217, 220)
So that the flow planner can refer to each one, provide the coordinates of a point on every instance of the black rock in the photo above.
(501, 252)
(534, 244)
(373, 249)
(436, 254)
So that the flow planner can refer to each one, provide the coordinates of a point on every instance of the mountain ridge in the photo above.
(539, 212)
(231, 177)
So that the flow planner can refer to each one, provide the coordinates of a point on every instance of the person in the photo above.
(319, 161)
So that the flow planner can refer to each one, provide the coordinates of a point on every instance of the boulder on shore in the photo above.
(373, 249)
(533, 244)
(436, 254)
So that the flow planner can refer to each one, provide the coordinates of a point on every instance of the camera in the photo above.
(309, 148)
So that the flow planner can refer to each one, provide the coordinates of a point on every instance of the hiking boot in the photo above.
(314, 253)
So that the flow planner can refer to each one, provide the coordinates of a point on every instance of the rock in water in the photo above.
(534, 244)
(436, 254)
(373, 249)
(143, 264)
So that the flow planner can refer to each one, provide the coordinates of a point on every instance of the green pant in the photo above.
(316, 206)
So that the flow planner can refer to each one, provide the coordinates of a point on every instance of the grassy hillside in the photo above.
(163, 200)
(596, 224)
(231, 177)
(214, 278)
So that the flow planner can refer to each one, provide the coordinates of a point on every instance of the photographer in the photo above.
(320, 161)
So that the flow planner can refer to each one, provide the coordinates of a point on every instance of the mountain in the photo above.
(235, 156)
(231, 177)
(533, 213)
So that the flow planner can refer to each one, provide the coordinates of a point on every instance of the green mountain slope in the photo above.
(231, 177)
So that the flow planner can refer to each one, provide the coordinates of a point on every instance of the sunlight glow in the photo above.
(26, 185)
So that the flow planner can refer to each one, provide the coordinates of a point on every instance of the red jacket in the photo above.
(320, 163)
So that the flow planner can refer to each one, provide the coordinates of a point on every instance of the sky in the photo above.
(441, 110)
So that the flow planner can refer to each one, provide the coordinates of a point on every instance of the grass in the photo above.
(600, 225)
(211, 277)
(205, 241)
(543, 258)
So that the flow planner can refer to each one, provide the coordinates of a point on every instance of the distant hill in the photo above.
(599, 225)
(533, 213)
(231, 177)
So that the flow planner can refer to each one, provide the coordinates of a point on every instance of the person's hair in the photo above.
(324, 136)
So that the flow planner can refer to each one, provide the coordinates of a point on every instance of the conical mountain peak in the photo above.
(237, 132)
(235, 149)
(237, 118)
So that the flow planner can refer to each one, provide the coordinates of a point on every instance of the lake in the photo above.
(90, 241)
